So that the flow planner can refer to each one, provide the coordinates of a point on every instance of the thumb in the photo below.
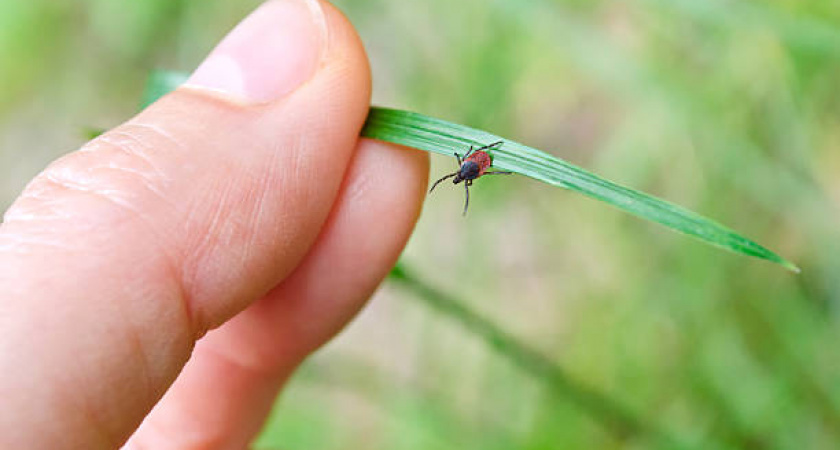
(118, 256)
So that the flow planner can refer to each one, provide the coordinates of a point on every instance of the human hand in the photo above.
(243, 203)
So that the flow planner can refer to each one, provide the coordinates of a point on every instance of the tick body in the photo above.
(472, 165)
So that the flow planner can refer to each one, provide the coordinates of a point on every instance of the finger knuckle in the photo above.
(117, 170)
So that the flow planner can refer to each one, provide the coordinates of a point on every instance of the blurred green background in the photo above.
(544, 319)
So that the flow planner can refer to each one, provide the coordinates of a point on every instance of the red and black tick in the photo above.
(473, 165)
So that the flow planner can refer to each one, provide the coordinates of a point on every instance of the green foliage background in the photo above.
(543, 315)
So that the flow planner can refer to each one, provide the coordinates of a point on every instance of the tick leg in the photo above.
(459, 157)
(468, 153)
(492, 145)
(467, 202)
(438, 181)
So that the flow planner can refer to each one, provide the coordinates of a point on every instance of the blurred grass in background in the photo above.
(729, 108)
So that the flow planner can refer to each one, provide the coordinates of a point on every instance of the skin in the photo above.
(172, 272)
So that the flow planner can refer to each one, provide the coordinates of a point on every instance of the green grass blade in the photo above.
(439, 136)
(435, 135)
(160, 83)
(611, 413)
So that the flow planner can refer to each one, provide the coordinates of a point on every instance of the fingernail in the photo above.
(269, 54)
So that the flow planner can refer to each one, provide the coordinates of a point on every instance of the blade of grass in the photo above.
(435, 135)
(160, 83)
(616, 418)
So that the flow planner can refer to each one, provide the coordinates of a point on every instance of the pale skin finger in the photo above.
(118, 257)
(226, 390)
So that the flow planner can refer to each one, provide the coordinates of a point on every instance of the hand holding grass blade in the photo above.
(435, 135)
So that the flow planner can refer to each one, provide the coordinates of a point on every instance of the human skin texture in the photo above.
(159, 285)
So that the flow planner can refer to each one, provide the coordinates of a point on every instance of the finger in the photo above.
(223, 395)
(118, 256)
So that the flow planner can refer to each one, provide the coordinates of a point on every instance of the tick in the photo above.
(471, 166)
